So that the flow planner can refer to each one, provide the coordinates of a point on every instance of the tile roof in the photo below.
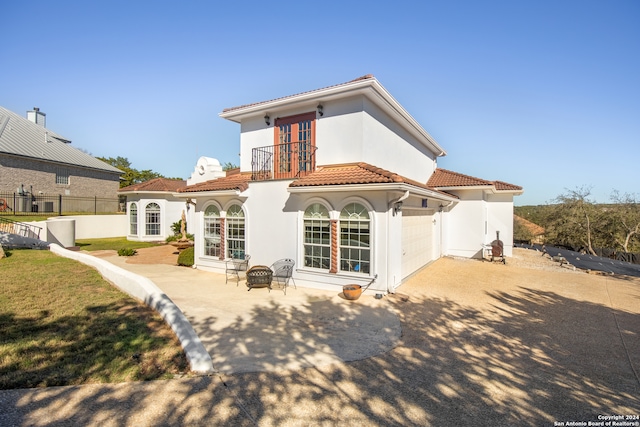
(443, 178)
(533, 228)
(365, 77)
(356, 173)
(231, 182)
(156, 184)
(21, 137)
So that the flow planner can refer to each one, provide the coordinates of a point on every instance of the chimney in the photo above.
(37, 117)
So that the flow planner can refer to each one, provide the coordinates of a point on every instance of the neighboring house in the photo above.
(537, 232)
(345, 182)
(153, 206)
(37, 161)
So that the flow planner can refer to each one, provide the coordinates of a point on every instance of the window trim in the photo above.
(296, 156)
(62, 176)
(133, 208)
(316, 245)
(204, 227)
(230, 220)
(370, 246)
(157, 224)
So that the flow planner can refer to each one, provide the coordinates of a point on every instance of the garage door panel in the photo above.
(417, 240)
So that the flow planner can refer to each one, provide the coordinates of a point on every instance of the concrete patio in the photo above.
(480, 344)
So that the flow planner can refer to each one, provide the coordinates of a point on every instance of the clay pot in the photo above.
(352, 292)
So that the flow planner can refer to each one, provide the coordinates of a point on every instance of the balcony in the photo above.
(283, 161)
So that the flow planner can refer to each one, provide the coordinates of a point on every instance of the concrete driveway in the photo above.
(481, 344)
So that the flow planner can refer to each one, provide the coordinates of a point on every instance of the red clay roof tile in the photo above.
(446, 178)
(232, 182)
(356, 173)
(156, 184)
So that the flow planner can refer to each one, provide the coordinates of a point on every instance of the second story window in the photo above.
(62, 176)
(294, 145)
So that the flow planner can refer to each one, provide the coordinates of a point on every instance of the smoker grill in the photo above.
(497, 250)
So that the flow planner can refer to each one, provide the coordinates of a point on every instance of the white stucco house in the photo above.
(345, 182)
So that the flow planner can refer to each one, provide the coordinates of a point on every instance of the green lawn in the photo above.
(61, 323)
(114, 243)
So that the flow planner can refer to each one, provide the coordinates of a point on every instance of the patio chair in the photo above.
(283, 272)
(239, 262)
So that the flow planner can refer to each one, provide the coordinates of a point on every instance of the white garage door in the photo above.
(417, 240)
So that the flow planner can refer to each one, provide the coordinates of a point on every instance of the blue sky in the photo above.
(542, 94)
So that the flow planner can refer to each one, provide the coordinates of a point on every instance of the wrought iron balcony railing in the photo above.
(283, 161)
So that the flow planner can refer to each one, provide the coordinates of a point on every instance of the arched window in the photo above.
(355, 234)
(235, 232)
(212, 231)
(152, 219)
(317, 237)
(133, 219)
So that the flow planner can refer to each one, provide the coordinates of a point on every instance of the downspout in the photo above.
(395, 205)
(440, 209)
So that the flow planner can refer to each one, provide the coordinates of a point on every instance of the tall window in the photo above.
(235, 232)
(295, 144)
(62, 176)
(212, 231)
(317, 237)
(355, 233)
(152, 219)
(133, 219)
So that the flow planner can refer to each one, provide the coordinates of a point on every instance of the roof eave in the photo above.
(487, 188)
(162, 192)
(372, 187)
(365, 87)
(211, 193)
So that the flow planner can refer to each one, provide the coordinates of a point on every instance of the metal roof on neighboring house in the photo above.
(155, 185)
(21, 137)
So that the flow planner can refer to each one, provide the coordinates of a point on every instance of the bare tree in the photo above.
(625, 218)
(574, 218)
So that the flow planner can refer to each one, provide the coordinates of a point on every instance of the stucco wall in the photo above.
(170, 212)
(473, 222)
(88, 226)
(41, 177)
(351, 130)
(274, 225)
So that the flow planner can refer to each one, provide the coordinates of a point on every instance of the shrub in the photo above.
(127, 252)
(186, 257)
(176, 237)
(175, 228)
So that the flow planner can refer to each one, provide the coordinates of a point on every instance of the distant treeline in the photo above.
(572, 220)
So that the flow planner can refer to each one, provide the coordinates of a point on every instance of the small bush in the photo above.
(186, 257)
(176, 237)
(127, 252)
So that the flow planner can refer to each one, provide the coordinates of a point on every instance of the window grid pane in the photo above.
(235, 232)
(152, 220)
(212, 232)
(317, 237)
(355, 239)
(133, 219)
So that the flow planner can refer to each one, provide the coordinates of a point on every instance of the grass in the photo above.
(61, 323)
(113, 243)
